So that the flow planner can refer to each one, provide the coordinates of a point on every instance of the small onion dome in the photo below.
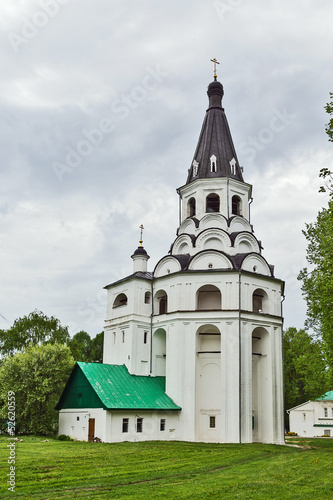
(215, 93)
(140, 251)
(140, 259)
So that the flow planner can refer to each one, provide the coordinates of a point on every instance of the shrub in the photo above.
(63, 437)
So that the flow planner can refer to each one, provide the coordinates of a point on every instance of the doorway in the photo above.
(91, 429)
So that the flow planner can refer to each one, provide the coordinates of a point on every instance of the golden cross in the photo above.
(215, 61)
(141, 240)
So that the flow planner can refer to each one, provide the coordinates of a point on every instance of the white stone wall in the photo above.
(178, 360)
(303, 417)
(150, 426)
(78, 429)
(109, 428)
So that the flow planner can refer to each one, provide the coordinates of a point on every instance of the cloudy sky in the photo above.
(101, 106)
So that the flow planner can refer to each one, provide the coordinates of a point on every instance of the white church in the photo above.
(192, 349)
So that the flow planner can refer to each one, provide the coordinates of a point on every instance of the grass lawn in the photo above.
(174, 470)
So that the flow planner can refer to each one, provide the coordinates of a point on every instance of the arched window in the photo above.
(191, 207)
(208, 340)
(147, 297)
(120, 300)
(236, 204)
(260, 301)
(161, 302)
(213, 203)
(208, 298)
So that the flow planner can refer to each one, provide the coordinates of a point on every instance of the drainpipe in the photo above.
(283, 299)
(283, 382)
(228, 204)
(250, 203)
(151, 326)
(240, 352)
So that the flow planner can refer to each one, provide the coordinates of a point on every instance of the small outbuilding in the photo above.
(106, 402)
(313, 418)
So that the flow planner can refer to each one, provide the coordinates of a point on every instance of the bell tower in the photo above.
(208, 318)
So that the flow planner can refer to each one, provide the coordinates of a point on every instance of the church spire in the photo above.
(215, 155)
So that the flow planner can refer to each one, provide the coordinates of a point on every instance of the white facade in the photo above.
(312, 419)
(108, 425)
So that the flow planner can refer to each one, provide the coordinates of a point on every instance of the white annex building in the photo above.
(313, 418)
(192, 350)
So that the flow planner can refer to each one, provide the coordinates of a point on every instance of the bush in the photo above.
(63, 437)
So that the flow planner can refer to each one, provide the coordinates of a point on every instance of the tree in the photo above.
(80, 346)
(86, 349)
(36, 328)
(37, 378)
(97, 348)
(329, 110)
(305, 368)
(325, 173)
(317, 284)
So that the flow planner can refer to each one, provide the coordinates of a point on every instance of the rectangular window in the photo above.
(139, 424)
(326, 412)
(145, 336)
(162, 424)
(77, 418)
(123, 333)
(304, 417)
(212, 423)
(114, 337)
(125, 424)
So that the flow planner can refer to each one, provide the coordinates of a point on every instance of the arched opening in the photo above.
(208, 383)
(120, 300)
(260, 301)
(191, 207)
(209, 340)
(261, 393)
(236, 205)
(159, 353)
(208, 298)
(213, 203)
(147, 297)
(161, 302)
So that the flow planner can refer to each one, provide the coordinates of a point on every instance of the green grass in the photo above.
(173, 470)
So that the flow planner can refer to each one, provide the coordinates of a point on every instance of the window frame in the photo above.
(125, 425)
(212, 421)
(139, 424)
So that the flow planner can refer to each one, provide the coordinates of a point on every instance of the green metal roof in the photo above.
(112, 387)
(326, 397)
(322, 425)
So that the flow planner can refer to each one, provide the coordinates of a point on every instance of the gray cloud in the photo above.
(137, 72)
